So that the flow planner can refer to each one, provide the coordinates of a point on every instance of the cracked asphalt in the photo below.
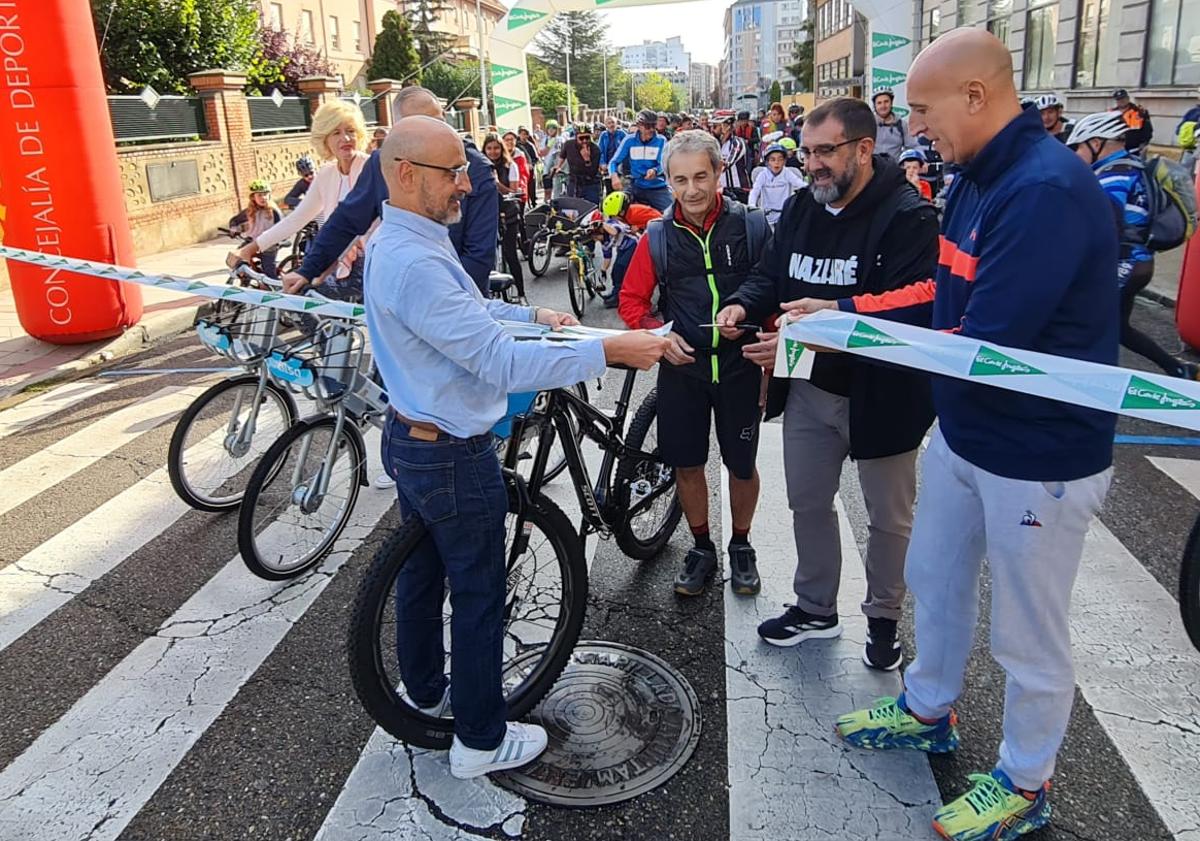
(269, 758)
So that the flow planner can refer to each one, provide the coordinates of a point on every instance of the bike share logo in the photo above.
(864, 335)
(882, 43)
(504, 105)
(289, 370)
(500, 73)
(989, 362)
(520, 17)
(1143, 394)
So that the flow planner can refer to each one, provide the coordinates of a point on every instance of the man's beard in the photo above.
(837, 188)
(445, 215)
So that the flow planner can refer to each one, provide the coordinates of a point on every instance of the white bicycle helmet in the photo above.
(1107, 125)
(1048, 100)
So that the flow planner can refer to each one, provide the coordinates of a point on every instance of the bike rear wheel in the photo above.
(1189, 586)
(208, 461)
(544, 608)
(284, 526)
(539, 253)
(644, 535)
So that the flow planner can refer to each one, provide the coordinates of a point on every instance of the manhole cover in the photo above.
(621, 722)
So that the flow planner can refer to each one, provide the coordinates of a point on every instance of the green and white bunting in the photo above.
(1138, 394)
(883, 78)
(523, 17)
(500, 73)
(881, 43)
(506, 105)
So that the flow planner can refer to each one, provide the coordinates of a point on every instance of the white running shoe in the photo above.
(384, 482)
(522, 744)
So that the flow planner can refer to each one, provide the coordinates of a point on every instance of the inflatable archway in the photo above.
(890, 51)
(59, 181)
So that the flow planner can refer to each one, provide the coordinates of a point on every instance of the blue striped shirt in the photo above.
(1121, 178)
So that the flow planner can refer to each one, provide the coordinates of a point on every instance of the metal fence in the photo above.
(366, 104)
(171, 118)
(274, 115)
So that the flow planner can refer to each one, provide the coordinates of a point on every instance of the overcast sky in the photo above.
(698, 22)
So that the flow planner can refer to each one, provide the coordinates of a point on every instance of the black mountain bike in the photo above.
(633, 500)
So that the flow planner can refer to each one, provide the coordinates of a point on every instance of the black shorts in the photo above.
(686, 406)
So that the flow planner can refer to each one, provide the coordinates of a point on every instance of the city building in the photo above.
(760, 39)
(1084, 49)
(344, 30)
(656, 55)
(840, 50)
(702, 81)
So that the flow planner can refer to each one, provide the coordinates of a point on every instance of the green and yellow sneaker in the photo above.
(889, 724)
(994, 810)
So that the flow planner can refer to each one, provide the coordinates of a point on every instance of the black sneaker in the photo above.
(743, 570)
(698, 567)
(798, 625)
(882, 650)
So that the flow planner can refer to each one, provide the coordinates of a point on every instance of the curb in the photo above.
(1160, 298)
(136, 338)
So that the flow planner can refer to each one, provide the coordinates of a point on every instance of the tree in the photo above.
(538, 71)
(550, 95)
(395, 57)
(451, 81)
(282, 62)
(581, 36)
(422, 16)
(776, 91)
(655, 93)
(158, 43)
(803, 57)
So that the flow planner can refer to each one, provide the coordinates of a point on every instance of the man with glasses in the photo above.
(474, 237)
(859, 227)
(582, 159)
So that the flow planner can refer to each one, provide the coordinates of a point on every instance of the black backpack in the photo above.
(757, 231)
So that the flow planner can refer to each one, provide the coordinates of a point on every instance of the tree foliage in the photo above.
(282, 61)
(422, 17)
(583, 38)
(159, 42)
(776, 91)
(451, 81)
(395, 57)
(803, 58)
(550, 95)
(656, 93)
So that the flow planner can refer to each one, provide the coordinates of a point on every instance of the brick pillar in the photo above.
(319, 90)
(385, 91)
(536, 117)
(564, 116)
(469, 106)
(227, 118)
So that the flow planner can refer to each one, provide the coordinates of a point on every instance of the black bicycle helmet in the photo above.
(304, 166)
(648, 118)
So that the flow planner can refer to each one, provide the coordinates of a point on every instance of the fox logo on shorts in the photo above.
(1030, 519)
(747, 434)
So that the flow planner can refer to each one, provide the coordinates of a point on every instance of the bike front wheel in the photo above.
(576, 286)
(1189, 586)
(545, 601)
(647, 485)
(539, 253)
(300, 497)
(220, 438)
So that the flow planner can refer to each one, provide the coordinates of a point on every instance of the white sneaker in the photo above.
(439, 710)
(522, 744)
(383, 482)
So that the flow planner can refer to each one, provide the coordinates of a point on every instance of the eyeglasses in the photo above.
(456, 171)
(825, 150)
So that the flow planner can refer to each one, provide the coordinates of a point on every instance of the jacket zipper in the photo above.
(712, 288)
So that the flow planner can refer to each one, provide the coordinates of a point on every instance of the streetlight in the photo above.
(482, 72)
(604, 65)
(570, 38)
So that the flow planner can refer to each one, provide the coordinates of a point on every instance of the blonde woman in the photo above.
(338, 137)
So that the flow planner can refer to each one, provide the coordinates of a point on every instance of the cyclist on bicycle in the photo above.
(713, 244)
(304, 166)
(623, 226)
(581, 159)
(259, 216)
(644, 151)
(448, 367)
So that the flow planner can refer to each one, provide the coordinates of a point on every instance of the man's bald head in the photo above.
(961, 92)
(416, 159)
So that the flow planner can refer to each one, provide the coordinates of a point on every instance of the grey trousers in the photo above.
(816, 442)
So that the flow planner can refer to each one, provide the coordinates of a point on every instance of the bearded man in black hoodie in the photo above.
(860, 227)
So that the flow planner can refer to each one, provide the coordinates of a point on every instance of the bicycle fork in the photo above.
(238, 436)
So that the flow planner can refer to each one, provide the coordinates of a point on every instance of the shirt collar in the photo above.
(425, 228)
(709, 220)
(1003, 150)
(1120, 153)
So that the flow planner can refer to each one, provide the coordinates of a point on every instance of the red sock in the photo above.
(701, 537)
(741, 537)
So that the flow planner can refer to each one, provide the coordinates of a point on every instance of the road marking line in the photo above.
(64, 458)
(782, 703)
(90, 773)
(45, 405)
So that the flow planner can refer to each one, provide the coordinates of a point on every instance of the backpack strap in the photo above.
(657, 235)
(757, 231)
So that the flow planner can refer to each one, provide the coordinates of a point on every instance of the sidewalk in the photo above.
(25, 361)
(1165, 285)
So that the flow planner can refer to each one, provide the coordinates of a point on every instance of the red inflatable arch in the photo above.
(59, 180)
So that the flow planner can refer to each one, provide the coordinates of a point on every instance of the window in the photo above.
(1173, 52)
(998, 14)
(306, 26)
(335, 40)
(276, 16)
(1096, 46)
(966, 12)
(358, 42)
(1041, 36)
(933, 23)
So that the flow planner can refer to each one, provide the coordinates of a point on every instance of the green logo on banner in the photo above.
(864, 335)
(504, 105)
(196, 285)
(229, 292)
(794, 350)
(500, 73)
(308, 305)
(882, 78)
(357, 311)
(602, 2)
(267, 298)
(900, 112)
(883, 43)
(520, 17)
(1143, 394)
(989, 362)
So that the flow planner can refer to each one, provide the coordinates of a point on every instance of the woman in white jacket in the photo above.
(774, 183)
(338, 136)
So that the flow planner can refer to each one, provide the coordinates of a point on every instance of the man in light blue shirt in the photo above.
(448, 367)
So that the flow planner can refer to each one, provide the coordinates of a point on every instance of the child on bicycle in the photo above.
(623, 225)
(775, 183)
(260, 214)
(914, 164)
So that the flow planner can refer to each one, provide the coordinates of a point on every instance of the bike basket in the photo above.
(239, 332)
(336, 364)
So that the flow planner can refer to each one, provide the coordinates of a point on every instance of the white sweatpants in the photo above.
(1032, 535)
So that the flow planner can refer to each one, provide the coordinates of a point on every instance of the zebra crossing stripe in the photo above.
(50, 403)
(90, 773)
(63, 459)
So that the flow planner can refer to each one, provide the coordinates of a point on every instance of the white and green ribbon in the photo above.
(1138, 394)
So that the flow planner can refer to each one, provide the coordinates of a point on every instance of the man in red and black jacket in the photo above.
(697, 257)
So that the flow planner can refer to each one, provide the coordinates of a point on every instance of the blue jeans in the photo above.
(659, 198)
(454, 485)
